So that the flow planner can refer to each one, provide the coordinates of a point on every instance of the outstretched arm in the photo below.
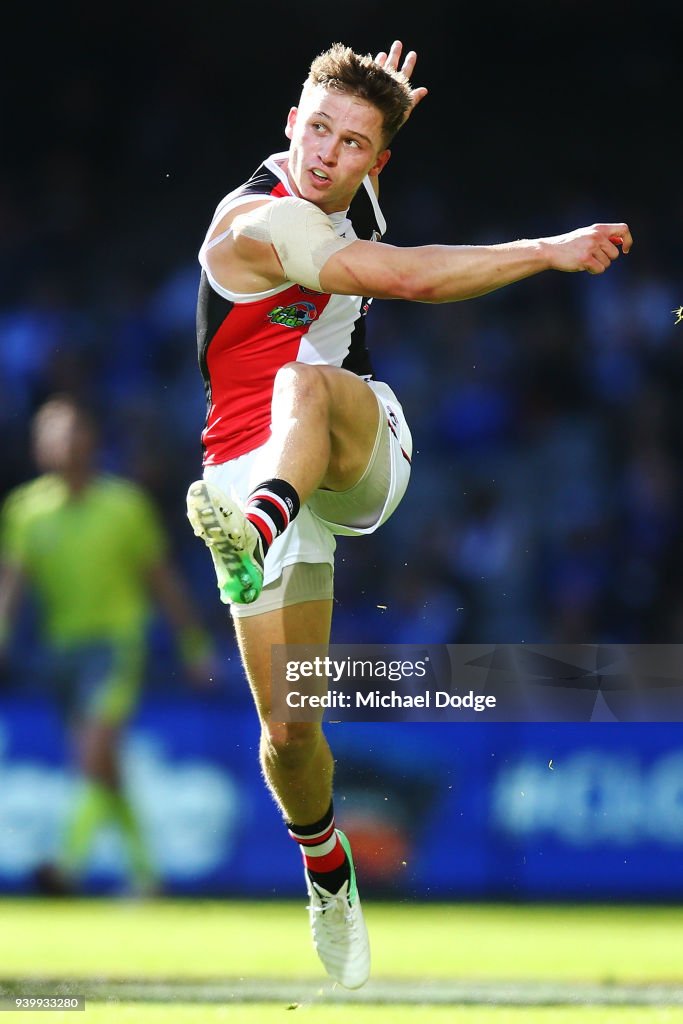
(445, 273)
(296, 242)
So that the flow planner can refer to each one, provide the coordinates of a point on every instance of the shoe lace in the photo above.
(336, 912)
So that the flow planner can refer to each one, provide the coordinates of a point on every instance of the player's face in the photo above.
(336, 139)
(63, 441)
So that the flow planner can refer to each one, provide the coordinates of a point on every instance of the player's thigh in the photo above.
(115, 697)
(353, 419)
(305, 623)
(99, 680)
(109, 693)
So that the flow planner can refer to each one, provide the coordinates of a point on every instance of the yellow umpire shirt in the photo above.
(86, 557)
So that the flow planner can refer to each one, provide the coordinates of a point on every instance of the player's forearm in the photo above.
(431, 273)
(443, 273)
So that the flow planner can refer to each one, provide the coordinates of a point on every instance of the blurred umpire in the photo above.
(92, 549)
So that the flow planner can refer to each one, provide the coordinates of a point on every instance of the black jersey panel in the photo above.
(212, 310)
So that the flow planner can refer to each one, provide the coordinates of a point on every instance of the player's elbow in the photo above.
(414, 278)
(425, 291)
(406, 280)
(389, 273)
(399, 285)
(429, 277)
(416, 286)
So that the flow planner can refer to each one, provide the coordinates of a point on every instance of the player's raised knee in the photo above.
(303, 381)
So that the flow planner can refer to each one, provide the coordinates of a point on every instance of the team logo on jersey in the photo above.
(299, 314)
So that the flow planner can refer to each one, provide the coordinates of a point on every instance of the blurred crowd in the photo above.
(546, 498)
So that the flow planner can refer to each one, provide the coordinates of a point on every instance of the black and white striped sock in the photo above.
(323, 854)
(271, 507)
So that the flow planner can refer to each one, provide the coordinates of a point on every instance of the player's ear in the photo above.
(291, 121)
(380, 163)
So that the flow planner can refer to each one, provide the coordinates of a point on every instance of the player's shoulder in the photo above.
(34, 496)
(268, 181)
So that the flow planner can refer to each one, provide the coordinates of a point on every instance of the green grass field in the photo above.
(251, 963)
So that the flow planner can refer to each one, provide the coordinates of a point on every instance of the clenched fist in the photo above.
(591, 249)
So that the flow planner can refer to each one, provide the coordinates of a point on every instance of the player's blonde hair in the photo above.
(340, 68)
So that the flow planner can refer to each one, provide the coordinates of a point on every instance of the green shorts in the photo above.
(99, 681)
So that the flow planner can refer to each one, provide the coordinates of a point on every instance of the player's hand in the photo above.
(592, 249)
(391, 61)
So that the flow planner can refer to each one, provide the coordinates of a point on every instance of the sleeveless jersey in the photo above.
(243, 340)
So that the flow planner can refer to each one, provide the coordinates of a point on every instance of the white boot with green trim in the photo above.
(339, 933)
(235, 544)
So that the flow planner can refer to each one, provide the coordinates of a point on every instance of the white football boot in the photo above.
(339, 933)
(235, 544)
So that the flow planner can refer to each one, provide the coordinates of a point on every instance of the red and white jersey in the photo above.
(243, 340)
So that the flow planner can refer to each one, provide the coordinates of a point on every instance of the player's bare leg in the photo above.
(298, 767)
(324, 423)
(295, 756)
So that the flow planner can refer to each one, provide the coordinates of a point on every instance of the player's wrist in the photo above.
(545, 253)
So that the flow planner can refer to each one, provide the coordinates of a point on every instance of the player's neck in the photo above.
(77, 481)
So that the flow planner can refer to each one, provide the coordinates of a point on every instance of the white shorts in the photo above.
(360, 510)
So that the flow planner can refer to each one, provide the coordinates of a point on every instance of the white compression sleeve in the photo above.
(300, 233)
